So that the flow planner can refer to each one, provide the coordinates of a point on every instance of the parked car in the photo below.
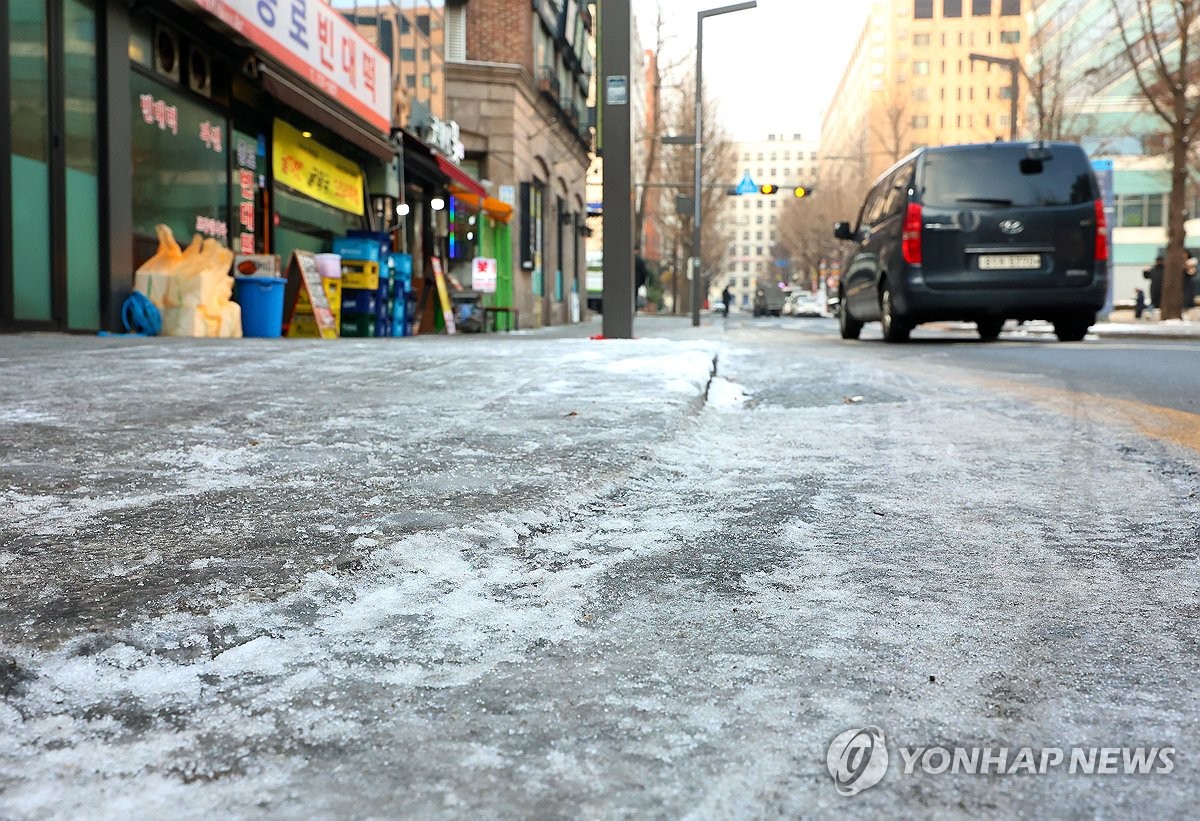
(769, 298)
(803, 303)
(978, 233)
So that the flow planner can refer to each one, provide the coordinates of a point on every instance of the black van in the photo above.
(978, 233)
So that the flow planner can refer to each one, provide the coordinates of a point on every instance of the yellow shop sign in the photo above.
(312, 169)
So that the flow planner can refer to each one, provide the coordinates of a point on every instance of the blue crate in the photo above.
(357, 248)
(359, 301)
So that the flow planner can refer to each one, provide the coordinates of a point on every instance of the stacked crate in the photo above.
(366, 284)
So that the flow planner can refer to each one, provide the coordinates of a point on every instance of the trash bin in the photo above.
(261, 299)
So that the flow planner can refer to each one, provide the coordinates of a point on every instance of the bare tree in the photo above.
(1056, 93)
(654, 127)
(1159, 44)
(893, 135)
(677, 172)
(806, 225)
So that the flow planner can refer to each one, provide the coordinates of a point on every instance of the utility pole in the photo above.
(1014, 86)
(616, 143)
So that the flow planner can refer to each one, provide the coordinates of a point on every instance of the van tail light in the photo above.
(910, 245)
(1101, 233)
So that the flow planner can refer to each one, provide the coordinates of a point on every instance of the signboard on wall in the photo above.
(303, 164)
(483, 275)
(320, 45)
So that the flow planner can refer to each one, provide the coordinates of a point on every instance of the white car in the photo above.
(806, 305)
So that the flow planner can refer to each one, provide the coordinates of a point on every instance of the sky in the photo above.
(771, 69)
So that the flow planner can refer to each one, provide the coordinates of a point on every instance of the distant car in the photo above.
(805, 304)
(978, 233)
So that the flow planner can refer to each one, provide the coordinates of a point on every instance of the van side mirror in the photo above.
(841, 230)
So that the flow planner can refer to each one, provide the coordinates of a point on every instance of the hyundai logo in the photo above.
(1011, 226)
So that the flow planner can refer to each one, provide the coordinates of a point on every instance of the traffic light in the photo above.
(768, 188)
(801, 191)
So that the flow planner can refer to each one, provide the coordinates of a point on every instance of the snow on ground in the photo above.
(669, 608)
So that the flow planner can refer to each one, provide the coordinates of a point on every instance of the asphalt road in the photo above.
(1156, 371)
(654, 579)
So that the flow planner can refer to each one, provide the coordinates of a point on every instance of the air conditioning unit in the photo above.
(199, 71)
(166, 53)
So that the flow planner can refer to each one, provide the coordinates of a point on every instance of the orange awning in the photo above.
(495, 209)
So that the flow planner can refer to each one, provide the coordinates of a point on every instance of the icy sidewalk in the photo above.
(147, 477)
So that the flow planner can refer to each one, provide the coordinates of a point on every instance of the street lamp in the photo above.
(1014, 87)
(699, 146)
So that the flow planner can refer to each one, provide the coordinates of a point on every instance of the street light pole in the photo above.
(1014, 85)
(698, 148)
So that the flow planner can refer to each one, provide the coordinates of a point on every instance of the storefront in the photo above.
(264, 127)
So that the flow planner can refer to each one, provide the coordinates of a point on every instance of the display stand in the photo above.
(311, 315)
(443, 296)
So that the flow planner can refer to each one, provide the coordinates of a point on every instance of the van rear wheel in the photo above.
(1072, 330)
(895, 329)
(849, 327)
(989, 329)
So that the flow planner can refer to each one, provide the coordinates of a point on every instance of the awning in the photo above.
(329, 114)
(461, 177)
(494, 208)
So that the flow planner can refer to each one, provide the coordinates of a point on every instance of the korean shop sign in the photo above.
(320, 45)
(312, 169)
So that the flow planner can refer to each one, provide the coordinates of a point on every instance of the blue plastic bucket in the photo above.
(261, 299)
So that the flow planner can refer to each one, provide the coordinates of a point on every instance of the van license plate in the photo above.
(1009, 262)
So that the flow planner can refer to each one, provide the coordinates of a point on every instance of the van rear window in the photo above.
(1005, 175)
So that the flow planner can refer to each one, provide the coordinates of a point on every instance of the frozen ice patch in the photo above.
(725, 395)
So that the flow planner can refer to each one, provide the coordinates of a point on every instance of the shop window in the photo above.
(179, 163)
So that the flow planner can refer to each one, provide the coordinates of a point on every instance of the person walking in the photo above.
(1155, 274)
(1189, 285)
(726, 299)
(1139, 303)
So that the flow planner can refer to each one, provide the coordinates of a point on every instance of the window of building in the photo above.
(1010, 8)
(746, 249)
(1002, 121)
(745, 267)
(921, 67)
(760, 156)
(943, 66)
(920, 121)
(773, 174)
(981, 8)
(952, 8)
(920, 94)
(772, 157)
(758, 220)
(923, 9)
(1005, 93)
(1010, 37)
(746, 157)
(920, 39)
(758, 235)
(758, 203)
(408, 55)
(787, 155)
(758, 251)
(746, 280)
(813, 156)
(958, 94)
